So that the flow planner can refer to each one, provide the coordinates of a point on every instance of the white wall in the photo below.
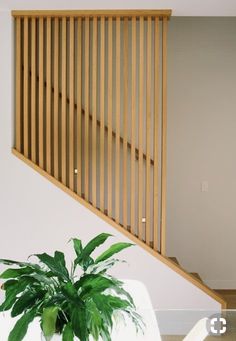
(35, 216)
(201, 147)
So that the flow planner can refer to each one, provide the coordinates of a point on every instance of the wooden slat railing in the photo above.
(125, 121)
(56, 99)
(164, 138)
(71, 105)
(140, 132)
(88, 110)
(41, 94)
(117, 122)
(78, 108)
(156, 141)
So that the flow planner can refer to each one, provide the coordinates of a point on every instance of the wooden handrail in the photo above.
(166, 13)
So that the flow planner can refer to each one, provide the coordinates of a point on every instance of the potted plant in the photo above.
(79, 303)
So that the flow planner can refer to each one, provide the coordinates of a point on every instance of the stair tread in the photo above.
(196, 275)
(229, 295)
(175, 260)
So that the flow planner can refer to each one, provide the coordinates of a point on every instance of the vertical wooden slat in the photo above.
(26, 87)
(63, 106)
(164, 137)
(41, 93)
(125, 121)
(133, 126)
(156, 118)
(109, 106)
(56, 98)
(48, 98)
(140, 143)
(71, 107)
(102, 111)
(148, 128)
(18, 89)
(94, 115)
(86, 104)
(79, 104)
(117, 182)
(33, 90)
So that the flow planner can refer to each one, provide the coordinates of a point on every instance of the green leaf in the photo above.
(115, 248)
(12, 290)
(9, 301)
(49, 318)
(60, 258)
(68, 334)
(120, 291)
(104, 308)
(105, 334)
(116, 302)
(94, 319)
(21, 326)
(79, 322)
(26, 301)
(11, 262)
(77, 246)
(13, 273)
(42, 278)
(55, 264)
(89, 248)
(89, 284)
(57, 299)
(70, 292)
(36, 267)
(9, 283)
(103, 266)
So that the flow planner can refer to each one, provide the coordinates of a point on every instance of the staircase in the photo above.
(91, 116)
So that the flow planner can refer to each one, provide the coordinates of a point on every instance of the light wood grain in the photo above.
(41, 93)
(148, 132)
(109, 107)
(140, 137)
(92, 13)
(133, 129)
(102, 112)
(26, 87)
(125, 121)
(71, 105)
(63, 102)
(94, 115)
(18, 63)
(56, 99)
(86, 110)
(33, 90)
(164, 137)
(79, 105)
(156, 128)
(48, 98)
(117, 136)
(126, 233)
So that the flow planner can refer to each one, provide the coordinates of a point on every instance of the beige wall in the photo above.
(202, 147)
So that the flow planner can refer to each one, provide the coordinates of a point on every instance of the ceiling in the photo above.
(179, 7)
